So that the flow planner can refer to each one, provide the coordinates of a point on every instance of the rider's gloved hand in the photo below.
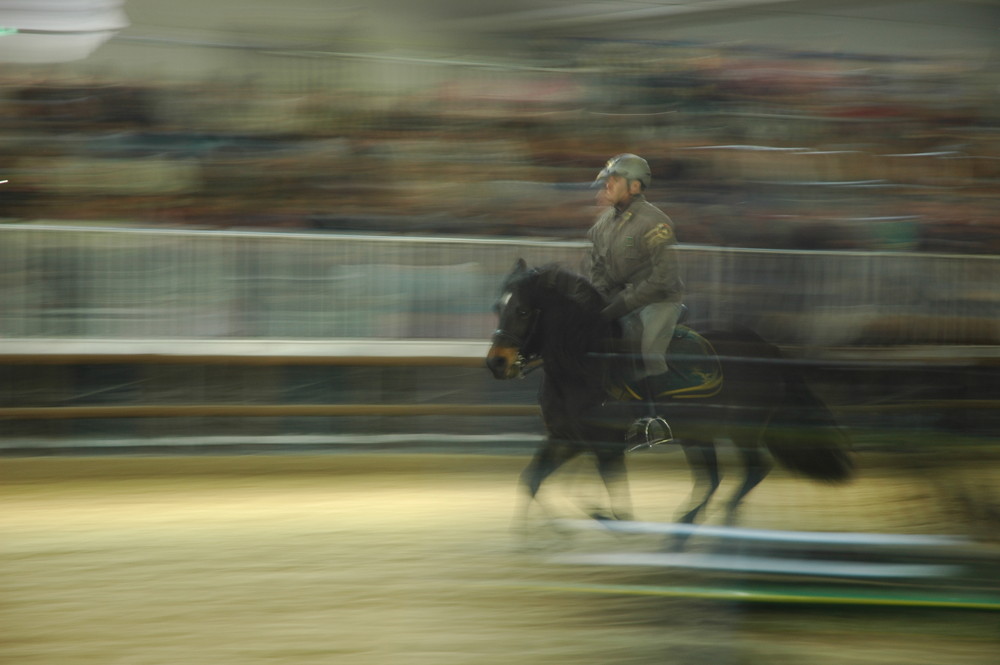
(616, 310)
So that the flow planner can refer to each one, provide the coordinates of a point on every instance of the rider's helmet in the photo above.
(628, 166)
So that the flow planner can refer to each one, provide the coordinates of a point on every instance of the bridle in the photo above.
(501, 335)
(523, 364)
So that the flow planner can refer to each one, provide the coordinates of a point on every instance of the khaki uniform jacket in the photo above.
(634, 258)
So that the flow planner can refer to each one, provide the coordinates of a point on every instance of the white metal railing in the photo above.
(123, 283)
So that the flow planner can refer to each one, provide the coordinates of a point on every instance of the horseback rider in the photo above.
(635, 265)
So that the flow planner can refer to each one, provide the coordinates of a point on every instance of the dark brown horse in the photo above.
(550, 316)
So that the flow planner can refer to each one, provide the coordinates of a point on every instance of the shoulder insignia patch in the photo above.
(659, 234)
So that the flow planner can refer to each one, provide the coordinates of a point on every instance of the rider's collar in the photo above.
(632, 201)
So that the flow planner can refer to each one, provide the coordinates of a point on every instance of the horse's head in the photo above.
(545, 311)
(515, 343)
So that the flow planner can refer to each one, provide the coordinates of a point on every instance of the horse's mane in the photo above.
(576, 288)
(576, 305)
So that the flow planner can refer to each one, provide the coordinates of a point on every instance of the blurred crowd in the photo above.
(749, 148)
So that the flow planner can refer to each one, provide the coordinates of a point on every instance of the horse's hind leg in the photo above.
(704, 463)
(756, 468)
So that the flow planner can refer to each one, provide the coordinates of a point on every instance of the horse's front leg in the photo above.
(611, 467)
(553, 454)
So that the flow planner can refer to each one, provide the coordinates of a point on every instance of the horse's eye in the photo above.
(523, 313)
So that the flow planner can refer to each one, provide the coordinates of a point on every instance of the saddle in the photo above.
(694, 371)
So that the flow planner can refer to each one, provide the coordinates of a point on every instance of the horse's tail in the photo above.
(804, 436)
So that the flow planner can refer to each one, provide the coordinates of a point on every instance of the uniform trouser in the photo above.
(658, 320)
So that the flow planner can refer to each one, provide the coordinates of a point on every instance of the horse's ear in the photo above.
(521, 266)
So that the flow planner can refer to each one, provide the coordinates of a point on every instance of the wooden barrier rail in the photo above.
(368, 353)
(342, 410)
(413, 353)
(387, 352)
(263, 410)
(251, 353)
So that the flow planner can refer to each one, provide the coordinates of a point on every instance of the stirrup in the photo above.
(648, 432)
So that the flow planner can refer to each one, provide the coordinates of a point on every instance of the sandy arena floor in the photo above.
(391, 559)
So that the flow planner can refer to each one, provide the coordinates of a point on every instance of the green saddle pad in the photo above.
(693, 372)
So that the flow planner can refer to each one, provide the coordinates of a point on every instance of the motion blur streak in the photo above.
(767, 124)
(222, 215)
